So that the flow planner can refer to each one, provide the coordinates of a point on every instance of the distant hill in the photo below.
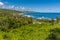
(14, 12)
(9, 11)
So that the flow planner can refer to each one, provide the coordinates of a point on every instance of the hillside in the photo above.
(16, 27)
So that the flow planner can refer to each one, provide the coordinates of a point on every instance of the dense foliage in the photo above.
(15, 27)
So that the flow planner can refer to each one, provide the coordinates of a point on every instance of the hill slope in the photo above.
(14, 27)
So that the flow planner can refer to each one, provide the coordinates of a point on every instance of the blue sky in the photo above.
(35, 5)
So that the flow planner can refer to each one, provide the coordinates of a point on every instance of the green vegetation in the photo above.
(16, 27)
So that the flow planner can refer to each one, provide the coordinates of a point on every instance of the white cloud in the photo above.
(11, 7)
(23, 8)
(16, 7)
(3, 7)
(1, 3)
(19, 8)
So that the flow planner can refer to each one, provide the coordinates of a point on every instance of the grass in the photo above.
(29, 32)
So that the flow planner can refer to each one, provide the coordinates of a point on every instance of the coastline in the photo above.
(47, 16)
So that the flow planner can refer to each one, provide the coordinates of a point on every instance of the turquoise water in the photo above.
(42, 15)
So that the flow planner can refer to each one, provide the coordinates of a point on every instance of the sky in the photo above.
(32, 5)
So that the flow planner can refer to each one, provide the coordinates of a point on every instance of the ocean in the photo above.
(38, 15)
